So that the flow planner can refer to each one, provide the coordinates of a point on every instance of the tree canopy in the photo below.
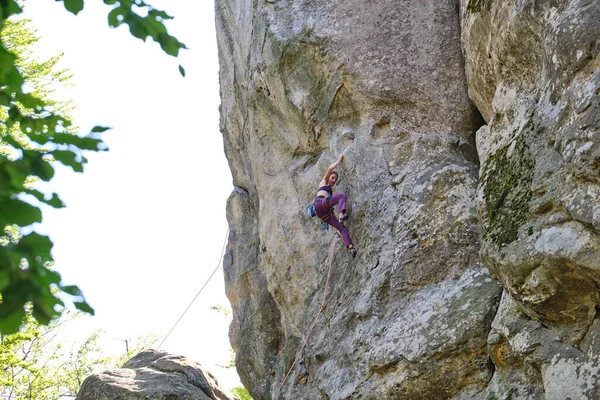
(38, 365)
(35, 133)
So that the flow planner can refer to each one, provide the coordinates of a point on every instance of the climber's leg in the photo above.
(333, 221)
(340, 199)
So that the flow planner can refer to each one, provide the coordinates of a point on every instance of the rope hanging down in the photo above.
(321, 308)
(200, 291)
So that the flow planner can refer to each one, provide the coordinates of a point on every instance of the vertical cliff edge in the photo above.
(472, 166)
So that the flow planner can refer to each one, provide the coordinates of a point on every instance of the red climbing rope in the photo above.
(321, 308)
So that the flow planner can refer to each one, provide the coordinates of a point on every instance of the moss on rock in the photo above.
(507, 180)
(476, 6)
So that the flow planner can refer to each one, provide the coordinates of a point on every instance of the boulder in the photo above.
(155, 375)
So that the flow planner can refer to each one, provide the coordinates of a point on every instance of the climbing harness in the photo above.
(325, 225)
(311, 210)
(321, 311)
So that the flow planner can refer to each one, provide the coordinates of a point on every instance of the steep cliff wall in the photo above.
(389, 83)
(533, 71)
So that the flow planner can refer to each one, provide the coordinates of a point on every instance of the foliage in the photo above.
(82, 361)
(135, 347)
(231, 361)
(35, 134)
(87, 358)
(241, 392)
(20, 377)
(36, 365)
(222, 310)
(226, 311)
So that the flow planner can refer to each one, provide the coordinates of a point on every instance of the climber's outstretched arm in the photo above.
(330, 170)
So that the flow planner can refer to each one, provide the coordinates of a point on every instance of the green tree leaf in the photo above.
(11, 321)
(53, 201)
(116, 17)
(4, 99)
(170, 45)
(74, 6)
(7, 63)
(100, 129)
(83, 306)
(30, 101)
(83, 143)
(44, 310)
(15, 211)
(15, 174)
(38, 166)
(37, 246)
(137, 26)
(72, 290)
(68, 158)
(4, 281)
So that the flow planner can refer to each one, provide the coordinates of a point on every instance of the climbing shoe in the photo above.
(353, 252)
(344, 217)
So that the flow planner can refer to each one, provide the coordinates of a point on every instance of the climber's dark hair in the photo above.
(337, 176)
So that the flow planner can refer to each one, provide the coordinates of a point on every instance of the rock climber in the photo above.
(326, 200)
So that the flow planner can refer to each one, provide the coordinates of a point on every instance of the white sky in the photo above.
(145, 223)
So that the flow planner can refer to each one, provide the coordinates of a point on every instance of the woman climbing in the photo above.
(326, 200)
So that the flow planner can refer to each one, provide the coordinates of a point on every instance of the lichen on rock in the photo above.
(506, 179)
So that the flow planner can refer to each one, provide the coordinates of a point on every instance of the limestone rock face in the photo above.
(401, 88)
(533, 72)
(301, 82)
(154, 375)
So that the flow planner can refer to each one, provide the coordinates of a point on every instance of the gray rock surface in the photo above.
(155, 375)
(533, 72)
(301, 82)
(401, 89)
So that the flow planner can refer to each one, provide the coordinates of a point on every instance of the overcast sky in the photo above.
(145, 223)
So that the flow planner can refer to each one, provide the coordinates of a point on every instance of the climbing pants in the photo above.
(324, 207)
